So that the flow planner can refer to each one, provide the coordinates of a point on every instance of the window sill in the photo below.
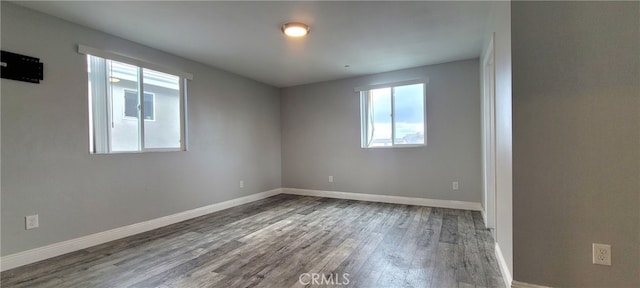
(142, 152)
(397, 146)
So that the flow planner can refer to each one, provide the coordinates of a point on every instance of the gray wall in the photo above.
(321, 137)
(576, 156)
(500, 24)
(234, 133)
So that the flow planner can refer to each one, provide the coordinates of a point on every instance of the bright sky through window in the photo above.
(406, 121)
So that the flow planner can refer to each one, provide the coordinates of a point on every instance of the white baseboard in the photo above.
(484, 216)
(57, 249)
(452, 204)
(506, 275)
(53, 250)
(518, 284)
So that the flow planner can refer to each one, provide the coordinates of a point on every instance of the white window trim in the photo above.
(424, 81)
(364, 111)
(82, 49)
(124, 106)
(184, 143)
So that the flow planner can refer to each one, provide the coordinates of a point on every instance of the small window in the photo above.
(393, 115)
(131, 105)
(116, 90)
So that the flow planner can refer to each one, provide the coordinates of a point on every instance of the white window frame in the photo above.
(124, 105)
(141, 64)
(364, 130)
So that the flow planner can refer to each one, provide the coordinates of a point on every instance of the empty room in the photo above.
(320, 144)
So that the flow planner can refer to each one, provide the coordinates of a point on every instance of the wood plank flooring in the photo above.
(272, 242)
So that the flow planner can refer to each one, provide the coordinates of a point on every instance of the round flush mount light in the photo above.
(295, 29)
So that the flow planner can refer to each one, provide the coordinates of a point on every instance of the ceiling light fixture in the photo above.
(114, 80)
(294, 29)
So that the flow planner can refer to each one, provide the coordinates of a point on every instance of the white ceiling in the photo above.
(245, 37)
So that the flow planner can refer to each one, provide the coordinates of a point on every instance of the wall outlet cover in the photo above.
(31, 222)
(601, 254)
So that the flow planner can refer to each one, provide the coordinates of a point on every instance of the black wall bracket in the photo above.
(19, 67)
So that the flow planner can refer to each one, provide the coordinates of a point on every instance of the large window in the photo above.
(133, 108)
(393, 115)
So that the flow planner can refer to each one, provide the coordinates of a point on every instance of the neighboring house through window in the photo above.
(120, 91)
(131, 105)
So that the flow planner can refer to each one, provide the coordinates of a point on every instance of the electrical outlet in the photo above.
(241, 183)
(330, 179)
(601, 254)
(455, 185)
(31, 222)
